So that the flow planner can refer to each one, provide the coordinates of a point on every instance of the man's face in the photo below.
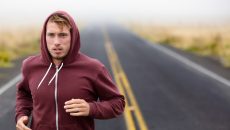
(58, 40)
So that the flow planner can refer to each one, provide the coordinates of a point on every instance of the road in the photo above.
(165, 89)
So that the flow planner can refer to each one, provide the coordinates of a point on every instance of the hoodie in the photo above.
(44, 88)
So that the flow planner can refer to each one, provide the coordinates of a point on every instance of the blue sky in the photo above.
(30, 11)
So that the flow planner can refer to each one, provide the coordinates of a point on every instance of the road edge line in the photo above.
(10, 84)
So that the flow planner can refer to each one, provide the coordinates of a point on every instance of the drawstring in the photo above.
(47, 73)
(44, 75)
(55, 74)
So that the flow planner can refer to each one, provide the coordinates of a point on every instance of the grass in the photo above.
(204, 40)
(17, 42)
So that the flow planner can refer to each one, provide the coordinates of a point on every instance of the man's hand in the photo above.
(22, 122)
(77, 107)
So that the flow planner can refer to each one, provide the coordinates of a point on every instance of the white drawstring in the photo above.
(44, 75)
(48, 72)
(55, 74)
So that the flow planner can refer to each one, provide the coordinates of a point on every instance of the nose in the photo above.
(56, 41)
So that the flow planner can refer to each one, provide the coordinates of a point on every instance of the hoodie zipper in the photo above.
(55, 96)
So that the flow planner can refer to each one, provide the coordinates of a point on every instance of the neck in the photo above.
(57, 62)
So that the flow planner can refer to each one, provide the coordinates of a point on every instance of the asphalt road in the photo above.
(174, 90)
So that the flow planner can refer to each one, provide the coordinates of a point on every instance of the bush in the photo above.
(5, 59)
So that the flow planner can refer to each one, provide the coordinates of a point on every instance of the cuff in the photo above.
(91, 109)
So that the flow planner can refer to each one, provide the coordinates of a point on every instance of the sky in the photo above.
(31, 11)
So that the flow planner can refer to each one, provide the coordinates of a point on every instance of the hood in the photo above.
(75, 41)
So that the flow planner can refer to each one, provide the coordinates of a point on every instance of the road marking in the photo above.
(10, 84)
(124, 87)
(186, 61)
(191, 64)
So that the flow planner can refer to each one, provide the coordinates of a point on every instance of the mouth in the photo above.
(57, 50)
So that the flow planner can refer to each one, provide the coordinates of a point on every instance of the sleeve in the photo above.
(23, 96)
(111, 103)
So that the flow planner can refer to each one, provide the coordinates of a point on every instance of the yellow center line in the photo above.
(124, 86)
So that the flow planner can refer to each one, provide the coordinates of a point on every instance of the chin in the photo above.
(58, 57)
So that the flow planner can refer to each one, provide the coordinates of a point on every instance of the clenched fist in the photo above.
(22, 122)
(77, 107)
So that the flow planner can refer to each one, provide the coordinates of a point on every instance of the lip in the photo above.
(57, 50)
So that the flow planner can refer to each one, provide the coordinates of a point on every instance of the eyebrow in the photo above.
(49, 33)
(61, 33)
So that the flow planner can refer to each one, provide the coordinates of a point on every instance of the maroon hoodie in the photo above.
(78, 77)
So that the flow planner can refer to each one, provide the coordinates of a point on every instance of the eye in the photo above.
(62, 34)
(50, 34)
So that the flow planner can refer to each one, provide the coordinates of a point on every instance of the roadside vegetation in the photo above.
(204, 40)
(16, 43)
(20, 41)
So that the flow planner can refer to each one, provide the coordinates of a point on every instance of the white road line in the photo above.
(186, 61)
(10, 84)
(191, 64)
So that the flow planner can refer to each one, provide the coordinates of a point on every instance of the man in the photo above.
(60, 87)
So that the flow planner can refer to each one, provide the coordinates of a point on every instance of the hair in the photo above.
(60, 20)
